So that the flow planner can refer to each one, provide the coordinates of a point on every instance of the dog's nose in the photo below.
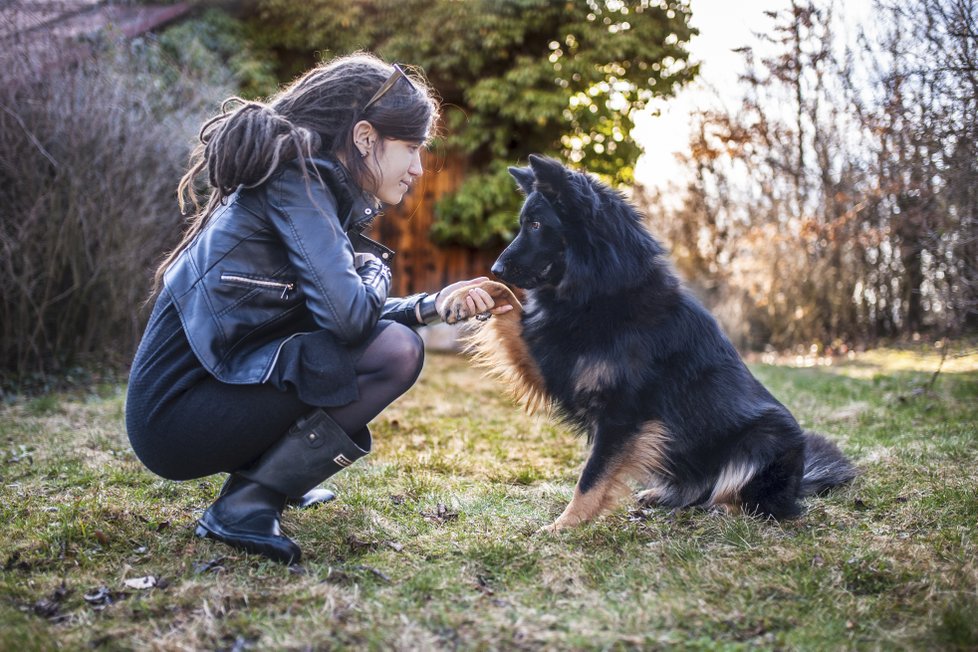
(498, 270)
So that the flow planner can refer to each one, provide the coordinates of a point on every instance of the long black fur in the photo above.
(620, 343)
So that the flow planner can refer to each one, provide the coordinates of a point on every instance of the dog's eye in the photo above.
(534, 226)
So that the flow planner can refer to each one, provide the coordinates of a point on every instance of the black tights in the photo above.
(215, 427)
(388, 367)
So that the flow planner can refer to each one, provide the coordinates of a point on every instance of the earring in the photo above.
(364, 154)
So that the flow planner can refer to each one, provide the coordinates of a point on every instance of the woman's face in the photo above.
(396, 165)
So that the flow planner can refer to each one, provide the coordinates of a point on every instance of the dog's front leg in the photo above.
(603, 482)
(617, 458)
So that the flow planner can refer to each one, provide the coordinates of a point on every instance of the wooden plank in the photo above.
(420, 265)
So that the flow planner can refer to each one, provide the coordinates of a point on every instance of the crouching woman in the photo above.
(272, 343)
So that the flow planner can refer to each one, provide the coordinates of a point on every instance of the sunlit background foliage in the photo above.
(833, 205)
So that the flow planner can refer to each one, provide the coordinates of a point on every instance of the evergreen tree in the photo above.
(516, 77)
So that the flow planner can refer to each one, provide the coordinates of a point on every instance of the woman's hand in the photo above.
(361, 258)
(477, 301)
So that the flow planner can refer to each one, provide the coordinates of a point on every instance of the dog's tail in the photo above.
(825, 465)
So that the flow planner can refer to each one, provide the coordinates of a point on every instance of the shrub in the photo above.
(90, 155)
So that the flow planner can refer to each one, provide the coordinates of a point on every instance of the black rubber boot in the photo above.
(246, 514)
(314, 449)
(320, 495)
(312, 498)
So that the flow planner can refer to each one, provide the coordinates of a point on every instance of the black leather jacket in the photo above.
(276, 261)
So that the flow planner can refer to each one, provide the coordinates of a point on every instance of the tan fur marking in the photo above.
(732, 479)
(497, 345)
(644, 458)
(649, 452)
(584, 507)
(592, 376)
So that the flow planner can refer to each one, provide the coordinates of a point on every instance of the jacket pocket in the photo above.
(261, 297)
(252, 282)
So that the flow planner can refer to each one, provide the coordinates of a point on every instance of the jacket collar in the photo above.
(356, 208)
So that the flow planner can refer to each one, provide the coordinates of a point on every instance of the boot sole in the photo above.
(280, 549)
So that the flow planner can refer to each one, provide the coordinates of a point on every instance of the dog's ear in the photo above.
(524, 178)
(550, 174)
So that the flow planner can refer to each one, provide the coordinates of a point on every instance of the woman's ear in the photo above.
(364, 137)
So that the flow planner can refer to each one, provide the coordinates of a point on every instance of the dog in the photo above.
(608, 338)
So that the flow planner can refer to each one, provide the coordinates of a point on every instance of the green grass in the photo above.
(430, 544)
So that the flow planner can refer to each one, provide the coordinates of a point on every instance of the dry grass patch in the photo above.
(430, 545)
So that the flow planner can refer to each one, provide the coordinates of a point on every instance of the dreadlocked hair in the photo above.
(248, 141)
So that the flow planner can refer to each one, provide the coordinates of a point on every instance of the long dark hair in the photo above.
(248, 141)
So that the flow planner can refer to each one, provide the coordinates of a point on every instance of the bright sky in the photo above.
(724, 25)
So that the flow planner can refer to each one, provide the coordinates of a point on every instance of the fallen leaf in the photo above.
(347, 574)
(441, 514)
(216, 565)
(50, 607)
(13, 561)
(374, 571)
(46, 608)
(141, 583)
(358, 544)
(99, 597)
(482, 584)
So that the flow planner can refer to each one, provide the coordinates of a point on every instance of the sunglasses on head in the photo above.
(389, 84)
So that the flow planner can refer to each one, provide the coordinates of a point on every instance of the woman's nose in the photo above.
(416, 170)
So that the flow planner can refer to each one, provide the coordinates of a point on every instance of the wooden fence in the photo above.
(419, 265)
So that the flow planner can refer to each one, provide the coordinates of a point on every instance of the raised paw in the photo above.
(460, 304)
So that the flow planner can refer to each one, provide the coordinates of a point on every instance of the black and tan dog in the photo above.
(611, 341)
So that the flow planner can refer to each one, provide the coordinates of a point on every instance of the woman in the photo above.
(273, 343)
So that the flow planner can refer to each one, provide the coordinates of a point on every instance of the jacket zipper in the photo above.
(278, 352)
(286, 287)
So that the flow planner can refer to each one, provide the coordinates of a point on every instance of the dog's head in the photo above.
(535, 258)
(576, 234)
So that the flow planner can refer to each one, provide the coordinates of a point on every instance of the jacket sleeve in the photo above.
(415, 310)
(344, 301)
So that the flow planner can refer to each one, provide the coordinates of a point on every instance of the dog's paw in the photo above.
(550, 530)
(648, 498)
(455, 308)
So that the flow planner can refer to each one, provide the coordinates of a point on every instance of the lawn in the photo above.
(431, 542)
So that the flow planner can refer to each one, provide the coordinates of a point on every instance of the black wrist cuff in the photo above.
(426, 311)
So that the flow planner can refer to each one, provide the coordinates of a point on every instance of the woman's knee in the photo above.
(395, 356)
(404, 353)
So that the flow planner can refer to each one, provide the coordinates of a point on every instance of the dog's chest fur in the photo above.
(579, 362)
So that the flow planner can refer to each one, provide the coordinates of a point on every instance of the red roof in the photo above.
(82, 18)
(56, 32)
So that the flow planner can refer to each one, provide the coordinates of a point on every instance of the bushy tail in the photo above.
(825, 465)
